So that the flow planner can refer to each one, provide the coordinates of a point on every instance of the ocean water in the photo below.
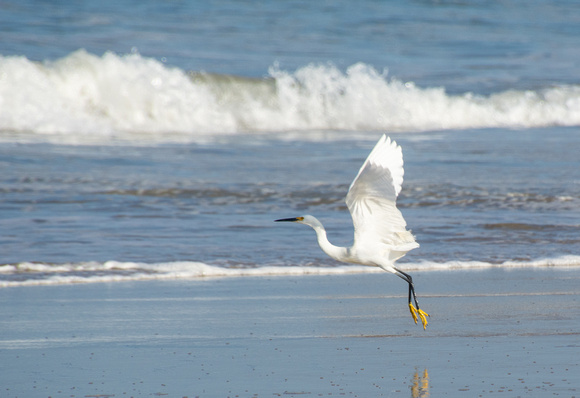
(151, 140)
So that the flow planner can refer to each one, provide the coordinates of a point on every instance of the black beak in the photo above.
(293, 219)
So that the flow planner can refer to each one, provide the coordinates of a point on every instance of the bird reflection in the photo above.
(420, 385)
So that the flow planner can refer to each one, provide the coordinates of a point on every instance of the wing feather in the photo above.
(371, 199)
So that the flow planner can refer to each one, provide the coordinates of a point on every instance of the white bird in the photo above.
(380, 234)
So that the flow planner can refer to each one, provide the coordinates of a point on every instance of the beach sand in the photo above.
(491, 333)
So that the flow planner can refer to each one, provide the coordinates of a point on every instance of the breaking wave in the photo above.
(84, 96)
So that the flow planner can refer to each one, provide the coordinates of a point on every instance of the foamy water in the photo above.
(35, 274)
(85, 97)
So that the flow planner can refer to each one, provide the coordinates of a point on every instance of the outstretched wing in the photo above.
(378, 225)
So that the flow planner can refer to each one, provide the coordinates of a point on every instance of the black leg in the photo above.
(415, 312)
(406, 277)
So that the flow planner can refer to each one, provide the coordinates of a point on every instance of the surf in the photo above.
(41, 274)
(85, 97)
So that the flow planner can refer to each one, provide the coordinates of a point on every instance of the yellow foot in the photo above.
(422, 314)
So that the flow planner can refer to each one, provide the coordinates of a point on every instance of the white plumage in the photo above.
(380, 234)
(379, 227)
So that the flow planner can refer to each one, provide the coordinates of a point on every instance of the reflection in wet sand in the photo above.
(420, 385)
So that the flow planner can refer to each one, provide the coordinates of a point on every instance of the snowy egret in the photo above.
(380, 234)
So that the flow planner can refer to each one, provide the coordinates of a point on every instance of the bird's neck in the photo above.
(336, 252)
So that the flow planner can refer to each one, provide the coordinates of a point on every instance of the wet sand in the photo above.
(491, 333)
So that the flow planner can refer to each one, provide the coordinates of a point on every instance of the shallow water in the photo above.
(470, 204)
(139, 147)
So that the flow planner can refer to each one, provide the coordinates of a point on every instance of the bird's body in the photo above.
(380, 234)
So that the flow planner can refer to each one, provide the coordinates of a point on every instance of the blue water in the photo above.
(484, 46)
(161, 139)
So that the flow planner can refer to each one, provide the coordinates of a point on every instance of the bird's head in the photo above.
(307, 220)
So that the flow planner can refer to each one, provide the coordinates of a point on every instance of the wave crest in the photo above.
(84, 95)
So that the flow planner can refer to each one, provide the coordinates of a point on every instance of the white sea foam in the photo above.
(84, 97)
(34, 274)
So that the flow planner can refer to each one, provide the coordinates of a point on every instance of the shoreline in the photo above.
(47, 274)
(513, 332)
